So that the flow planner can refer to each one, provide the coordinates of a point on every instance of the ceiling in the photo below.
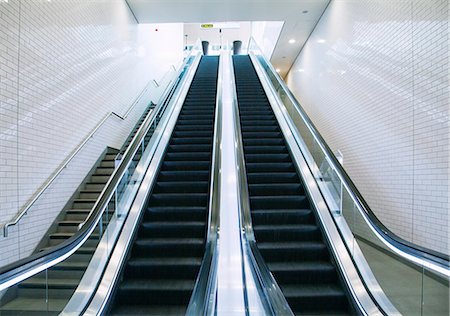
(299, 16)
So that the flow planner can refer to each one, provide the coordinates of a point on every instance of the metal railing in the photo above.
(23, 211)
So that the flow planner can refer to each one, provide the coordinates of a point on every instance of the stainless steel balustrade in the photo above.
(40, 263)
(203, 299)
(274, 302)
(407, 272)
(156, 150)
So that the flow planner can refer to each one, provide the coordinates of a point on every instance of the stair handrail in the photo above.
(418, 255)
(22, 269)
(24, 209)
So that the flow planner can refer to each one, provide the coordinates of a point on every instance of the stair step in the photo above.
(89, 194)
(77, 214)
(101, 179)
(104, 171)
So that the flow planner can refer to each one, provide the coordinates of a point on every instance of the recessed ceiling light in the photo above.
(305, 11)
(278, 70)
(291, 41)
(301, 70)
(321, 41)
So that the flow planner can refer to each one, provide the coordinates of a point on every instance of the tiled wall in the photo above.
(374, 78)
(64, 65)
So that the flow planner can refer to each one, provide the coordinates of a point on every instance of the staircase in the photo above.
(285, 224)
(164, 261)
(29, 297)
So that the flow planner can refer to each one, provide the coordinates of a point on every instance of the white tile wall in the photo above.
(374, 78)
(63, 66)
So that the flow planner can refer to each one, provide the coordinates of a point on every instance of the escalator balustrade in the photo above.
(285, 224)
(160, 274)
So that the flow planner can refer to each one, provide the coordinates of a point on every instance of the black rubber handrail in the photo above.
(404, 245)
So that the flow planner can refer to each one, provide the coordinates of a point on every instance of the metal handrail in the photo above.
(66, 162)
(27, 267)
(428, 258)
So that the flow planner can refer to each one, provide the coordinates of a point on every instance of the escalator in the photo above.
(285, 224)
(162, 266)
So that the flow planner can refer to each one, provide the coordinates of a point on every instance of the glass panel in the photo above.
(29, 295)
(401, 281)
(436, 295)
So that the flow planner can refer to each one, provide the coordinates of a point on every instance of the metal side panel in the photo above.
(111, 275)
(356, 287)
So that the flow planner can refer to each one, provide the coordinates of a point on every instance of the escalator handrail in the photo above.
(422, 256)
(22, 269)
(202, 298)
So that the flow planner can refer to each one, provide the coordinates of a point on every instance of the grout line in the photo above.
(413, 122)
(17, 122)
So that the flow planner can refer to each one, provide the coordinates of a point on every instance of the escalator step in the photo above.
(282, 216)
(303, 272)
(169, 247)
(163, 268)
(158, 292)
(276, 189)
(173, 213)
